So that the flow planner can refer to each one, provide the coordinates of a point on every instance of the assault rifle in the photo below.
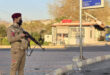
(27, 35)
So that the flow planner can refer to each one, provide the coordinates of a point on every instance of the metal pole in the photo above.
(81, 50)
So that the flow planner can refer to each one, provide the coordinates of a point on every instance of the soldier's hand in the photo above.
(23, 35)
(29, 39)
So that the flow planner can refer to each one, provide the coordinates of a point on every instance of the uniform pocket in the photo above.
(24, 44)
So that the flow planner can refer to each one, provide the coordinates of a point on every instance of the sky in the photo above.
(30, 9)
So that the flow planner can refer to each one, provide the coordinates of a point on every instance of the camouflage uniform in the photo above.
(18, 46)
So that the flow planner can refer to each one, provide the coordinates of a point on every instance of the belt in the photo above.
(16, 41)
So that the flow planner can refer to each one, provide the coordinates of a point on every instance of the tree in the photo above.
(69, 9)
(33, 26)
(2, 31)
(101, 13)
(64, 8)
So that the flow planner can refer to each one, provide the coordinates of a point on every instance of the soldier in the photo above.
(18, 45)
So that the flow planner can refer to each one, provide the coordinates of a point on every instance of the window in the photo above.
(83, 32)
(75, 32)
(65, 35)
(59, 35)
(74, 29)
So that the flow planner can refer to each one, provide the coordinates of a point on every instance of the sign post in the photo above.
(81, 45)
(87, 4)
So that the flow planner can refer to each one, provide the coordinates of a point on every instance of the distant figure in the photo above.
(18, 45)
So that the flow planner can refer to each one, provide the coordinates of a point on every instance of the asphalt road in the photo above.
(44, 62)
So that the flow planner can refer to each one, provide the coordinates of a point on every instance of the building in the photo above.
(48, 38)
(68, 33)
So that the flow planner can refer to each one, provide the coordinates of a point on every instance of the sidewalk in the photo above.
(72, 68)
(63, 46)
(8, 46)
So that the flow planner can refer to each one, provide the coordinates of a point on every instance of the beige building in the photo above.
(68, 33)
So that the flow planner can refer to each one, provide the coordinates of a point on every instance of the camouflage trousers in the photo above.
(17, 62)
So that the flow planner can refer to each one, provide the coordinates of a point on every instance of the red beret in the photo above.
(16, 15)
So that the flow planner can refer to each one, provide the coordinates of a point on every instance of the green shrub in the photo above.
(46, 43)
(4, 41)
(2, 31)
(32, 43)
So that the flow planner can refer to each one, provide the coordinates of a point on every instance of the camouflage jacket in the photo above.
(14, 37)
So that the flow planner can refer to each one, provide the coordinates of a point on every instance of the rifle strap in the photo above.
(31, 51)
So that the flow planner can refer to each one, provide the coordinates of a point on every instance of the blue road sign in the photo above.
(92, 3)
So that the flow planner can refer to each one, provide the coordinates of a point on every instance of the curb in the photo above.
(48, 47)
(64, 46)
(79, 64)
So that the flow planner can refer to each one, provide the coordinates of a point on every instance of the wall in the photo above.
(90, 34)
